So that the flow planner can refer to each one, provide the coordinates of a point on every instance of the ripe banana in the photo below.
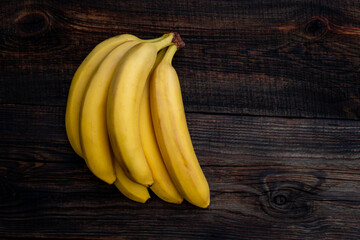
(123, 108)
(129, 188)
(79, 82)
(173, 135)
(163, 187)
(125, 117)
(94, 138)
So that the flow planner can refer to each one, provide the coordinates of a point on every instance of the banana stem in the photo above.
(170, 52)
(178, 41)
(164, 42)
(156, 39)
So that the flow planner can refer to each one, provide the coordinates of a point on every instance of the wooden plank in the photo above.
(242, 57)
(270, 178)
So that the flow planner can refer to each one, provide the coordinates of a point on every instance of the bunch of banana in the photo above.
(125, 118)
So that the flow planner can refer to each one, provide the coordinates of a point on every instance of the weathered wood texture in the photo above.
(275, 58)
(272, 95)
(269, 178)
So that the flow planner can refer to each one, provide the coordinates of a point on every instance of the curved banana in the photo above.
(79, 82)
(94, 138)
(123, 108)
(129, 188)
(173, 135)
(163, 187)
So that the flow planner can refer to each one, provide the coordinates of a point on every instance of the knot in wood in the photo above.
(31, 23)
(280, 199)
(289, 202)
(316, 27)
(289, 194)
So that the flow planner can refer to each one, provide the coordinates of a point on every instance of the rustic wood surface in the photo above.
(272, 95)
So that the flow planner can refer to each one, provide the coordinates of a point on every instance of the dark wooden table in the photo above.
(272, 95)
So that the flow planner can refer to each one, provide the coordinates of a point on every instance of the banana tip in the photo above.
(145, 200)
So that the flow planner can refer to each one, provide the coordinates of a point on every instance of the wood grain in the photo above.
(242, 57)
(272, 95)
(272, 178)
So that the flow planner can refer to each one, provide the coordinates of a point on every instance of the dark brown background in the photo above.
(272, 95)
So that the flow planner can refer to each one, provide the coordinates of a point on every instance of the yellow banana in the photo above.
(123, 108)
(94, 138)
(163, 187)
(173, 135)
(129, 188)
(79, 82)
